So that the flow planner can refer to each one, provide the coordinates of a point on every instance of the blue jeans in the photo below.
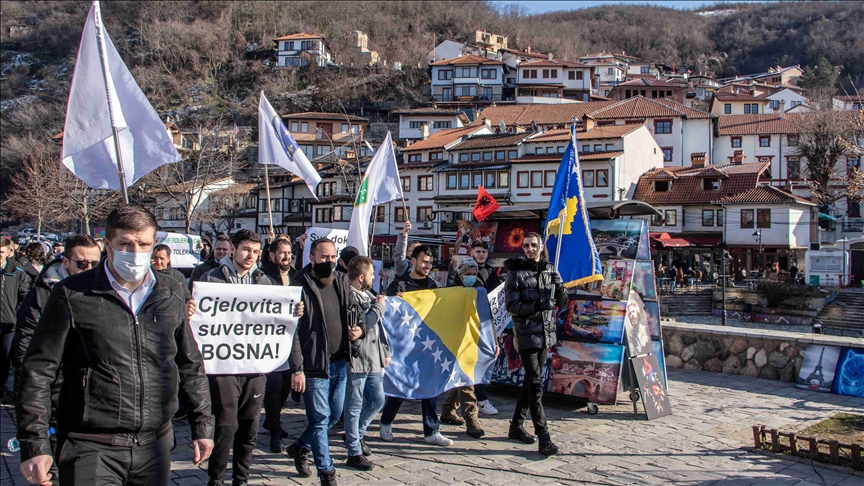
(364, 397)
(430, 416)
(324, 399)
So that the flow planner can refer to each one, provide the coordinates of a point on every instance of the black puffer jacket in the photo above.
(121, 371)
(532, 290)
(14, 285)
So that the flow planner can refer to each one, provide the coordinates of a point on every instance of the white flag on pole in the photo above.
(277, 146)
(380, 184)
(103, 90)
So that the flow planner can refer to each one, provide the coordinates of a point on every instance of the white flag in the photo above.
(380, 184)
(277, 146)
(102, 91)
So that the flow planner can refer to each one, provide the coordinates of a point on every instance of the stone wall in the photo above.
(774, 355)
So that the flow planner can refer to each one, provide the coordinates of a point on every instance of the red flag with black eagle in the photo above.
(486, 205)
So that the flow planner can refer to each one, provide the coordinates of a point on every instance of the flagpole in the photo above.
(374, 218)
(269, 210)
(103, 59)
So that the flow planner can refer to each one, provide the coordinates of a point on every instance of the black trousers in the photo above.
(276, 393)
(531, 396)
(83, 462)
(6, 336)
(237, 407)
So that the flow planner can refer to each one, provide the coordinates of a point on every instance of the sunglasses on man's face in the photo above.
(85, 264)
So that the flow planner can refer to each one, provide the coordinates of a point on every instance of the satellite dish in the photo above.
(502, 126)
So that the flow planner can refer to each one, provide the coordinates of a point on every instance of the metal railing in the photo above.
(856, 227)
(479, 98)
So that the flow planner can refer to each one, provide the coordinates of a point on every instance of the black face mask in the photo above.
(323, 269)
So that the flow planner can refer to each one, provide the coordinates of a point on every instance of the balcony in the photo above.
(469, 99)
(451, 226)
(853, 227)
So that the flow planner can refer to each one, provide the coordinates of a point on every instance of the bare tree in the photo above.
(36, 194)
(224, 207)
(84, 204)
(824, 137)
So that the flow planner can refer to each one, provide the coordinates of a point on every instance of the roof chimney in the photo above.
(424, 130)
(487, 122)
(752, 91)
(782, 109)
(549, 56)
(738, 158)
(588, 121)
(697, 159)
(528, 49)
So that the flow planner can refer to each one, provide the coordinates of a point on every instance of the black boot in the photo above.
(517, 432)
(546, 447)
(328, 478)
(301, 460)
(276, 441)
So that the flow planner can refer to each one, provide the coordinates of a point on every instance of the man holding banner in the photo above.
(237, 397)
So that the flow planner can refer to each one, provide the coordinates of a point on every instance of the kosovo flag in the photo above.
(568, 229)
(439, 339)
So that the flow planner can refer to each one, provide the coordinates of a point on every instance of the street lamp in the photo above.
(757, 236)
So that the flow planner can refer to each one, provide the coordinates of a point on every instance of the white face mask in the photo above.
(131, 266)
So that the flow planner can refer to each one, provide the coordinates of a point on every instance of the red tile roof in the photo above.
(759, 124)
(492, 141)
(542, 114)
(596, 133)
(583, 157)
(641, 107)
(736, 97)
(468, 59)
(441, 139)
(320, 115)
(421, 165)
(432, 110)
(524, 54)
(763, 195)
(553, 63)
(299, 35)
(686, 186)
(651, 82)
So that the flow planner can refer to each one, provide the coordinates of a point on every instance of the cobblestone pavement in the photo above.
(702, 443)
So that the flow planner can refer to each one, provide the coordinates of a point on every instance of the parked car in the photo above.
(50, 236)
(25, 232)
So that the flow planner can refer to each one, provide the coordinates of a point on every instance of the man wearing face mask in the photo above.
(120, 335)
(237, 398)
(318, 356)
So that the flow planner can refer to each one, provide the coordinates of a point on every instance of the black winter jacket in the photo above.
(178, 276)
(14, 285)
(309, 351)
(122, 372)
(531, 289)
(404, 283)
(272, 271)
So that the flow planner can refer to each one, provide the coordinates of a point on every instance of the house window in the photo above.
(288, 46)
(466, 90)
(587, 178)
(550, 150)
(379, 213)
(655, 220)
(793, 168)
(853, 208)
(522, 179)
(445, 74)
(602, 178)
(476, 180)
(295, 126)
(545, 73)
(853, 164)
(406, 183)
(464, 157)
(661, 186)
(792, 140)
(466, 72)
(452, 181)
(424, 213)
(550, 178)
(727, 109)
(503, 180)
(710, 184)
(610, 71)
(571, 75)
(488, 74)
(736, 142)
(475, 157)
(764, 140)
(436, 155)
(644, 70)
(464, 180)
(415, 157)
(554, 74)
(399, 214)
(304, 127)
(671, 217)
(754, 108)
(598, 147)
(536, 178)
(746, 108)
(719, 217)
(667, 154)
(538, 151)
(746, 218)
(561, 149)
(487, 156)
(490, 180)
(500, 155)
(586, 148)
(441, 124)
(324, 215)
(306, 45)
(512, 154)
(424, 183)
(763, 218)
(707, 217)
(610, 147)
(662, 126)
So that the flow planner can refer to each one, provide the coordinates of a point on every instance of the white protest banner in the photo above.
(184, 248)
(500, 316)
(339, 237)
(244, 328)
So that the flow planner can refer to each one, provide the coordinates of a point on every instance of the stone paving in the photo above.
(703, 443)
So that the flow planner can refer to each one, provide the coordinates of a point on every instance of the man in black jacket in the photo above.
(318, 356)
(417, 279)
(532, 290)
(120, 334)
(489, 278)
(221, 249)
(14, 285)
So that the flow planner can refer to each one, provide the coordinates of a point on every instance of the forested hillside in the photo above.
(202, 58)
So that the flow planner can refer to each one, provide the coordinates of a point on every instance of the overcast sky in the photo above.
(551, 6)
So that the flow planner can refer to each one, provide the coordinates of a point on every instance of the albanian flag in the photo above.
(486, 205)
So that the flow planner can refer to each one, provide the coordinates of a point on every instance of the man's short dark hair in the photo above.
(276, 243)
(533, 235)
(222, 237)
(479, 244)
(422, 250)
(245, 235)
(129, 218)
(319, 242)
(85, 241)
(347, 254)
(358, 266)
(4, 242)
(162, 247)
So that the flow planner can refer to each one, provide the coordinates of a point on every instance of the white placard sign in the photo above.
(184, 248)
(339, 237)
(244, 328)
(500, 316)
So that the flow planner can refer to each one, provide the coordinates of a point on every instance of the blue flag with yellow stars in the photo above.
(575, 255)
(439, 339)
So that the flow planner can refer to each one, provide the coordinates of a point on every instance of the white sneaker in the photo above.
(437, 439)
(386, 432)
(486, 408)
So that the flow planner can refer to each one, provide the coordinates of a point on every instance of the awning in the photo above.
(703, 240)
(826, 217)
(596, 210)
(667, 241)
